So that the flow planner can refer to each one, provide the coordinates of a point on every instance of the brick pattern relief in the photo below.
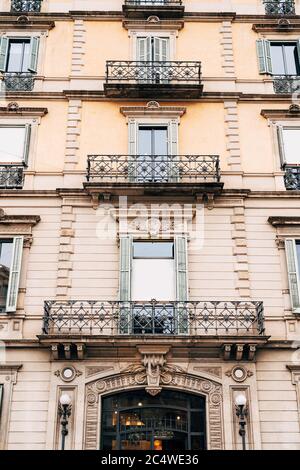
(78, 49)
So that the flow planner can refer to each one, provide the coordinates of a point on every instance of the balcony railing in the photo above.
(11, 176)
(292, 177)
(286, 84)
(91, 317)
(153, 72)
(28, 6)
(18, 81)
(153, 168)
(280, 7)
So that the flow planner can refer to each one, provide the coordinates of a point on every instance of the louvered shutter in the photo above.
(173, 149)
(293, 274)
(4, 41)
(264, 56)
(125, 283)
(14, 276)
(34, 48)
(181, 283)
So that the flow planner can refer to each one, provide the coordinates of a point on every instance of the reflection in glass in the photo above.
(18, 56)
(12, 141)
(285, 60)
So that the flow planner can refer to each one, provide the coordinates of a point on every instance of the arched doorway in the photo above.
(135, 420)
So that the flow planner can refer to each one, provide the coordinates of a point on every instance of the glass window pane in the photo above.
(144, 141)
(26, 56)
(15, 54)
(153, 250)
(277, 59)
(291, 143)
(12, 144)
(160, 142)
(291, 58)
(6, 246)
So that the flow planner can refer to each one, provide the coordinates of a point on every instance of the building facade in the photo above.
(149, 223)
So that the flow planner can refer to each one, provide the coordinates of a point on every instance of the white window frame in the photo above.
(42, 35)
(33, 123)
(171, 35)
(26, 143)
(296, 262)
(17, 272)
(281, 149)
(155, 122)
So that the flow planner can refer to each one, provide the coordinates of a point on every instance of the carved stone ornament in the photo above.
(68, 373)
(139, 376)
(239, 373)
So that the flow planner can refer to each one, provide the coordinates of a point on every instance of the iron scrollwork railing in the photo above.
(28, 6)
(192, 318)
(11, 176)
(137, 3)
(292, 177)
(153, 168)
(280, 7)
(18, 81)
(286, 84)
(153, 72)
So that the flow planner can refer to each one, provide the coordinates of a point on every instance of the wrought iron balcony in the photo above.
(286, 84)
(279, 7)
(193, 318)
(145, 8)
(18, 81)
(28, 6)
(292, 177)
(11, 176)
(153, 79)
(153, 169)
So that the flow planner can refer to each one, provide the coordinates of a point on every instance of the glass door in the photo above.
(152, 154)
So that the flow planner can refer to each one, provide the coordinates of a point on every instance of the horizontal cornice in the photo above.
(284, 221)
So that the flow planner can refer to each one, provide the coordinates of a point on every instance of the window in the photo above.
(278, 58)
(10, 265)
(289, 144)
(285, 59)
(152, 159)
(153, 271)
(153, 48)
(18, 55)
(292, 248)
(14, 143)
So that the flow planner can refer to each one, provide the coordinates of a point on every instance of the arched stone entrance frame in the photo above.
(133, 378)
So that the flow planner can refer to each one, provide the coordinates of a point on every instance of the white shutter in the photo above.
(144, 49)
(293, 274)
(125, 283)
(4, 41)
(34, 48)
(26, 143)
(132, 149)
(281, 145)
(14, 276)
(181, 284)
(173, 148)
(264, 56)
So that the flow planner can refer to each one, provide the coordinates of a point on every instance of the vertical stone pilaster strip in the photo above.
(226, 43)
(65, 252)
(73, 134)
(240, 251)
(78, 49)
(232, 135)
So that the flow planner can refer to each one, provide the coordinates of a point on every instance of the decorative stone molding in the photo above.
(286, 226)
(153, 23)
(239, 373)
(295, 372)
(25, 23)
(154, 360)
(13, 109)
(153, 109)
(232, 135)
(293, 112)
(78, 50)
(240, 251)
(281, 26)
(173, 377)
(227, 48)
(18, 225)
(284, 221)
(73, 133)
(93, 370)
(8, 378)
(216, 371)
(68, 373)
